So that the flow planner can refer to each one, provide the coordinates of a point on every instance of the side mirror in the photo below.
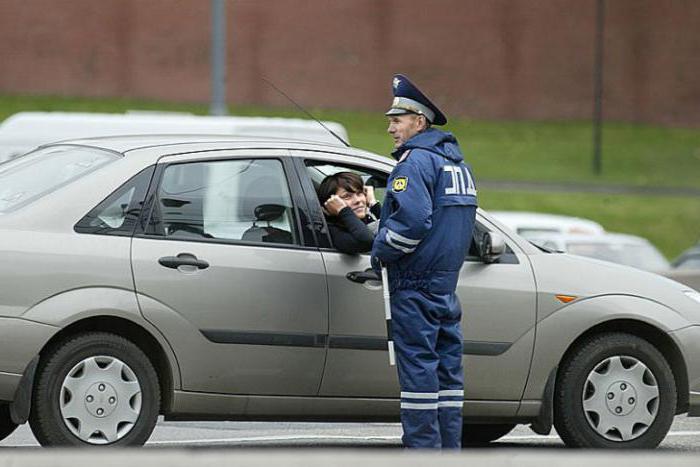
(492, 246)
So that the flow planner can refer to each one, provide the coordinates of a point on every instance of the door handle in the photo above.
(363, 276)
(183, 259)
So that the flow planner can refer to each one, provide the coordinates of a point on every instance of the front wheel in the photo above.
(615, 390)
(95, 389)
(7, 426)
(483, 433)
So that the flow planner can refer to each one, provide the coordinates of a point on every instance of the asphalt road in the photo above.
(684, 437)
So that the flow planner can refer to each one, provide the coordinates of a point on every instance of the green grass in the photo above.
(639, 155)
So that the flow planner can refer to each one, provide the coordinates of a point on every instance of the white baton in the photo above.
(387, 315)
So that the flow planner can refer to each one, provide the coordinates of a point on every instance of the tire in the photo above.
(480, 434)
(7, 426)
(614, 390)
(114, 382)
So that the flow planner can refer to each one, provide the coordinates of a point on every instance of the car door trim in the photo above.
(221, 336)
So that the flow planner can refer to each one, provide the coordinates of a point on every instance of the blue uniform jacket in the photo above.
(428, 215)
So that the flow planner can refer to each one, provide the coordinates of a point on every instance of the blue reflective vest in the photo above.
(428, 215)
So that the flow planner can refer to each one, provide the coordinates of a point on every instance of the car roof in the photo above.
(178, 144)
(46, 127)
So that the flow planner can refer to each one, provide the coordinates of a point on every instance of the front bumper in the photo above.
(688, 340)
(20, 341)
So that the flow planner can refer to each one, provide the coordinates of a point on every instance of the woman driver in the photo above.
(352, 211)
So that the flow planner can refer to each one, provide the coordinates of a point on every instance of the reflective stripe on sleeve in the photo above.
(394, 245)
(414, 406)
(402, 239)
(419, 395)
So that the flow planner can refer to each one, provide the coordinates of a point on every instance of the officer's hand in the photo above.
(334, 205)
(369, 194)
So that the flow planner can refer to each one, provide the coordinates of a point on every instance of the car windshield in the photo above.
(30, 177)
(638, 256)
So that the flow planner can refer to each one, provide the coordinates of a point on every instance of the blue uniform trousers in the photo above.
(428, 341)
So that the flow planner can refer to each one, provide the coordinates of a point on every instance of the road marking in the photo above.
(524, 437)
(277, 438)
(358, 438)
(253, 439)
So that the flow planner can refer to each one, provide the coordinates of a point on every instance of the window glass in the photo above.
(319, 170)
(246, 200)
(28, 178)
(119, 212)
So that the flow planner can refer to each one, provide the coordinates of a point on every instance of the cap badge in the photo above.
(396, 82)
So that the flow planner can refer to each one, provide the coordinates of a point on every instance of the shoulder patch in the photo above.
(399, 184)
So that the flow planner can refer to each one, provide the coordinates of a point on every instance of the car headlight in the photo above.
(692, 295)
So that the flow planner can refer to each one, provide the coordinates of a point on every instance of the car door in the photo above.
(498, 302)
(228, 273)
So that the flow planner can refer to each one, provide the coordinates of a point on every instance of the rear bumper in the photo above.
(20, 341)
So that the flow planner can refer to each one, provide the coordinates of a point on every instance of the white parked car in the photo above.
(629, 250)
(25, 131)
(686, 268)
(530, 224)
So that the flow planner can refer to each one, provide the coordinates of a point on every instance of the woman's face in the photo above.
(356, 201)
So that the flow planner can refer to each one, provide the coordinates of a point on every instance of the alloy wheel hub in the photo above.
(620, 398)
(100, 400)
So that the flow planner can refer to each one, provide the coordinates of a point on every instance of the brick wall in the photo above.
(495, 59)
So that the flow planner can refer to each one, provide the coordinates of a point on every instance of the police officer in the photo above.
(424, 235)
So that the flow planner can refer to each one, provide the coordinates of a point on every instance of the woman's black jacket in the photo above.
(349, 233)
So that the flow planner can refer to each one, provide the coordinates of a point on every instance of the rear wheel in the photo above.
(7, 426)
(615, 390)
(95, 389)
(479, 434)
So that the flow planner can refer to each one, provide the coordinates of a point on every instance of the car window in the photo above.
(235, 200)
(319, 170)
(35, 175)
(119, 212)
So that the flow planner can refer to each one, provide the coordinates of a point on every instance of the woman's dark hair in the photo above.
(349, 181)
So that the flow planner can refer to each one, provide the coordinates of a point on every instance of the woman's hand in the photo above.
(369, 194)
(334, 205)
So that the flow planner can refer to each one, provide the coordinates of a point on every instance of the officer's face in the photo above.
(403, 127)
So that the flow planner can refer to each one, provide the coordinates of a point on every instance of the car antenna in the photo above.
(306, 112)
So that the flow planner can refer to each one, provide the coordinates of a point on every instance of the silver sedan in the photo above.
(194, 277)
